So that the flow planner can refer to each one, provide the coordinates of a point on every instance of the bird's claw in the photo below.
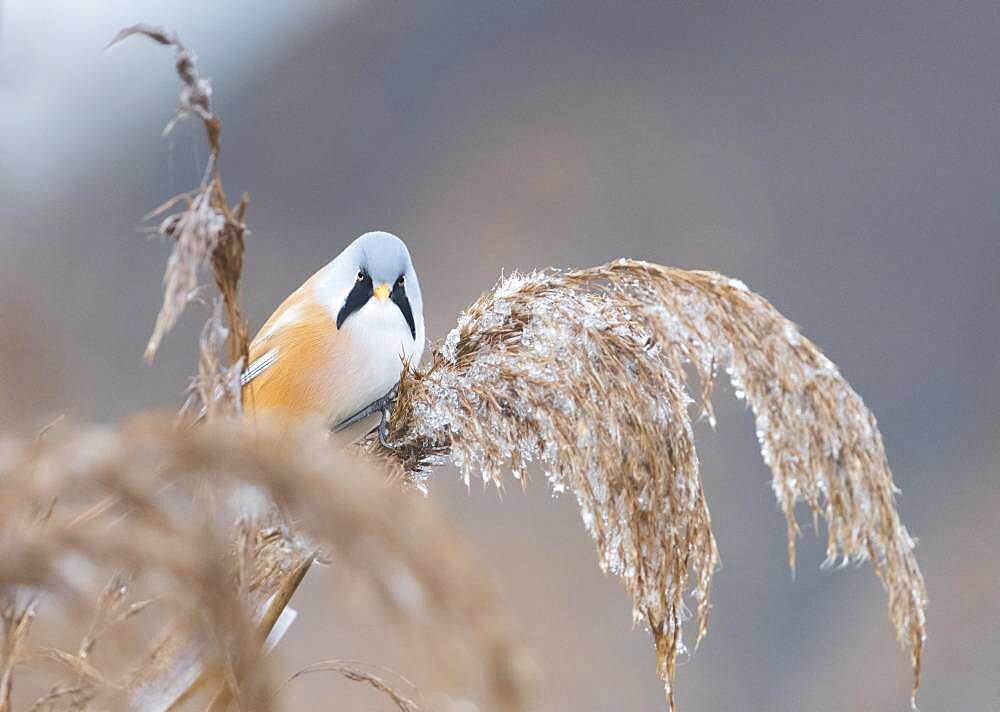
(381, 404)
(384, 407)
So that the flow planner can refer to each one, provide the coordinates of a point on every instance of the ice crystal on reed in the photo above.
(584, 372)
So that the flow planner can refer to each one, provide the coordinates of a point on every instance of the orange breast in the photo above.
(302, 382)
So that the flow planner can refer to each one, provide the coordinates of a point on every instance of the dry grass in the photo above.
(208, 229)
(583, 372)
(203, 534)
(356, 671)
(172, 493)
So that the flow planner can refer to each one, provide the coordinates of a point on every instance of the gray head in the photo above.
(376, 266)
(383, 255)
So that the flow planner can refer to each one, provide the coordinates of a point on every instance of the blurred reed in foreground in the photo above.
(213, 521)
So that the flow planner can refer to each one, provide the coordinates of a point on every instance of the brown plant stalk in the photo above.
(208, 230)
(355, 672)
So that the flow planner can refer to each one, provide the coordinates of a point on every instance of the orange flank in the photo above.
(301, 382)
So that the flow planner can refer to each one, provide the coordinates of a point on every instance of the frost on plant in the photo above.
(583, 373)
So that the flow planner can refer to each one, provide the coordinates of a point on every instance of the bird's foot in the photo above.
(383, 406)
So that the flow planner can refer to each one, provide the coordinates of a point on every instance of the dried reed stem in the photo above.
(18, 605)
(282, 597)
(354, 671)
(208, 230)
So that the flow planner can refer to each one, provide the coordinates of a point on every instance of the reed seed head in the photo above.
(583, 373)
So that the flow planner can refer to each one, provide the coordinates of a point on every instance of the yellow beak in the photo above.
(381, 292)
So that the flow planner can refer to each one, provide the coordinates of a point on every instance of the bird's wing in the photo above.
(291, 361)
(263, 351)
(299, 336)
(258, 366)
(300, 365)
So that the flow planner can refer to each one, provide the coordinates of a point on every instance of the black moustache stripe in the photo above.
(358, 297)
(400, 299)
(364, 289)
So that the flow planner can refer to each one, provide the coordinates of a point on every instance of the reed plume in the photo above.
(153, 502)
(208, 229)
(584, 373)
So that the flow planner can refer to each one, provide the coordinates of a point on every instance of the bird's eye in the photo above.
(361, 276)
(402, 278)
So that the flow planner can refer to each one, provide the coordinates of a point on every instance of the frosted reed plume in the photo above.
(583, 372)
(150, 501)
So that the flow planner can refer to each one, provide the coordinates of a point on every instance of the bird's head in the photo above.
(372, 285)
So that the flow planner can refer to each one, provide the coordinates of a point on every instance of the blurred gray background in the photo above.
(841, 158)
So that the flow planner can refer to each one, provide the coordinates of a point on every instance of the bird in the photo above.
(334, 350)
